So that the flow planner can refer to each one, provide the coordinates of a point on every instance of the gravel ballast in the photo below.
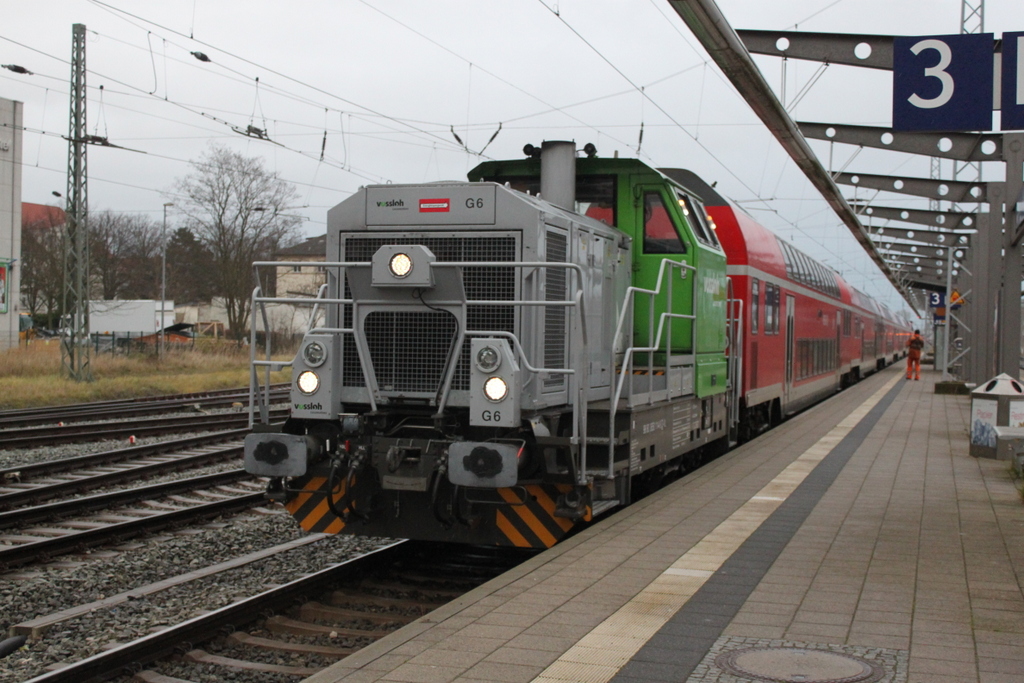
(62, 585)
(30, 592)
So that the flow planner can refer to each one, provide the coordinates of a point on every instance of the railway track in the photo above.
(79, 433)
(152, 405)
(308, 623)
(181, 503)
(39, 482)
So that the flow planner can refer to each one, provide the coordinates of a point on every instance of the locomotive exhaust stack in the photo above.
(558, 173)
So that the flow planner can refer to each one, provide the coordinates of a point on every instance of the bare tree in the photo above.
(124, 256)
(42, 263)
(238, 210)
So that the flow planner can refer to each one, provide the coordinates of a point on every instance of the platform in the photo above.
(857, 534)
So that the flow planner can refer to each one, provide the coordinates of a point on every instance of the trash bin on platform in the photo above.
(998, 402)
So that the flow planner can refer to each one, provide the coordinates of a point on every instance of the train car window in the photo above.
(777, 305)
(660, 234)
(847, 316)
(805, 268)
(778, 308)
(755, 304)
(787, 255)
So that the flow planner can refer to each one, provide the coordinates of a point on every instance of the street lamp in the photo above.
(163, 281)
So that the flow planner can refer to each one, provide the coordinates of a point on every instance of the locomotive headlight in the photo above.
(308, 382)
(400, 265)
(314, 354)
(495, 389)
(488, 359)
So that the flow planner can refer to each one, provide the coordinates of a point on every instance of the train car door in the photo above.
(839, 345)
(790, 345)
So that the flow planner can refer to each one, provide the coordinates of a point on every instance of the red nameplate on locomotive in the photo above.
(434, 205)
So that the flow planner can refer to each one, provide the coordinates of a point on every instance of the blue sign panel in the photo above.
(942, 82)
(936, 299)
(1013, 82)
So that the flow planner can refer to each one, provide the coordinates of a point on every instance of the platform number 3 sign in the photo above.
(949, 82)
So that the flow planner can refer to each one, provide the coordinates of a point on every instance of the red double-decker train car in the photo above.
(806, 332)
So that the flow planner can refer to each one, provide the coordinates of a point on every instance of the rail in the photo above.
(577, 372)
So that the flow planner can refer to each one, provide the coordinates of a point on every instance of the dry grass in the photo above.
(30, 376)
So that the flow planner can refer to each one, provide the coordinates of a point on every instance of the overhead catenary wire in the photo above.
(484, 70)
(314, 88)
(155, 155)
(184, 107)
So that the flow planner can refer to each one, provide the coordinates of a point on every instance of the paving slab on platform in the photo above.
(860, 528)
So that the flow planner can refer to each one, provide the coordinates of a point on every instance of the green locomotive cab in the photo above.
(675, 254)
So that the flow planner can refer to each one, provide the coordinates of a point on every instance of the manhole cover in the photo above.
(798, 665)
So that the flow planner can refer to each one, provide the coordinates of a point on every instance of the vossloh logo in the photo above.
(309, 406)
(391, 204)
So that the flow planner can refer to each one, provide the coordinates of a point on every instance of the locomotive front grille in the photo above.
(410, 355)
(409, 351)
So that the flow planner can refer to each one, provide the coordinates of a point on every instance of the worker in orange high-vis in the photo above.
(915, 345)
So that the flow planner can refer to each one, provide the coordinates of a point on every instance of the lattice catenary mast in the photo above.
(75, 346)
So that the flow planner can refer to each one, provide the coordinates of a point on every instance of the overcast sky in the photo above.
(386, 82)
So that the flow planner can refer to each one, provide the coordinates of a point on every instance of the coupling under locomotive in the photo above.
(498, 361)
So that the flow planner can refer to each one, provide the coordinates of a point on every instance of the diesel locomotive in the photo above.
(501, 360)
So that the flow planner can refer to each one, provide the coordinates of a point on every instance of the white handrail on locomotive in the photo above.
(667, 265)
(578, 378)
(271, 366)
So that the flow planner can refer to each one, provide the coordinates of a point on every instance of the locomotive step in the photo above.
(601, 506)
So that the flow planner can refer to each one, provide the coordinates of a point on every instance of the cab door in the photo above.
(661, 235)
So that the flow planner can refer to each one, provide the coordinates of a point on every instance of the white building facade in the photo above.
(10, 221)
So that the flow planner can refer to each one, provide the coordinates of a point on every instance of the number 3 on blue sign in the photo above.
(938, 71)
(942, 82)
(935, 299)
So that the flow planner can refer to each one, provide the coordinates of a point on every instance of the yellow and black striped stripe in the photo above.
(311, 510)
(524, 516)
(531, 523)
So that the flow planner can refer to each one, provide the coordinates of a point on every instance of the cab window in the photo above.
(595, 194)
(695, 216)
(660, 234)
